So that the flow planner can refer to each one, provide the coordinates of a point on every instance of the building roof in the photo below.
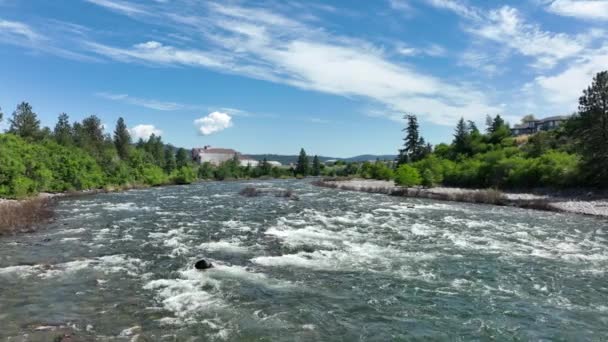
(216, 150)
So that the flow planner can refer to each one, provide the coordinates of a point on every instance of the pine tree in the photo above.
(63, 130)
(462, 138)
(91, 135)
(181, 158)
(122, 139)
(497, 123)
(316, 166)
(1, 114)
(265, 167)
(591, 129)
(411, 143)
(302, 166)
(170, 162)
(24, 122)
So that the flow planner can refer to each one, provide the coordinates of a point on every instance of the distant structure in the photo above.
(216, 156)
(532, 126)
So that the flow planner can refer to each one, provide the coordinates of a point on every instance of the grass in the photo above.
(25, 215)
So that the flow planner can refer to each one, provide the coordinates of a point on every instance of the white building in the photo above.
(216, 156)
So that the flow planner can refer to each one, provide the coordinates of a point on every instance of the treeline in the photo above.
(81, 156)
(574, 154)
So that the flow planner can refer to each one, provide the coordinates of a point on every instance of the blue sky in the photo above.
(334, 77)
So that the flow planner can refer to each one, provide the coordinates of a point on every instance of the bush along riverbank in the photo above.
(548, 202)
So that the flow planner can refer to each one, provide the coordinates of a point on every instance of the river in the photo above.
(332, 266)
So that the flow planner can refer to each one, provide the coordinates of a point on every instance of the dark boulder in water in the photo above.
(203, 265)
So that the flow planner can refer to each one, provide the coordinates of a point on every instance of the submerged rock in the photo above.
(203, 265)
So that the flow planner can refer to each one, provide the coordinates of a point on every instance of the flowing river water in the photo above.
(332, 266)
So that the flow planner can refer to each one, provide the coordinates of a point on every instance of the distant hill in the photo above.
(287, 159)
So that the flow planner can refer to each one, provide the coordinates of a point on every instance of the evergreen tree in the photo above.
(24, 122)
(411, 140)
(497, 123)
(63, 130)
(170, 162)
(91, 135)
(316, 166)
(1, 114)
(122, 139)
(472, 127)
(462, 138)
(302, 166)
(265, 167)
(181, 158)
(591, 129)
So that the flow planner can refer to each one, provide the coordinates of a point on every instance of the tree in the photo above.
(462, 138)
(407, 176)
(170, 162)
(411, 145)
(591, 129)
(265, 168)
(302, 166)
(24, 122)
(497, 123)
(1, 114)
(122, 139)
(181, 158)
(316, 166)
(527, 118)
(91, 135)
(63, 130)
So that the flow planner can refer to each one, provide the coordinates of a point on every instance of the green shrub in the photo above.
(407, 175)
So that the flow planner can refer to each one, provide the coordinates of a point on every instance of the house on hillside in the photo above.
(531, 126)
(216, 156)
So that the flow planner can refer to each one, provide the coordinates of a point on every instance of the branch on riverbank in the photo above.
(25, 215)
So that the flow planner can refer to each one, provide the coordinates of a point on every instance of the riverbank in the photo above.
(559, 203)
(25, 215)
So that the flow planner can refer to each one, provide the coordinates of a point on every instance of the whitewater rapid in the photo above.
(331, 266)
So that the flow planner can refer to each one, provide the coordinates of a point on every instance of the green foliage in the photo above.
(589, 128)
(303, 165)
(122, 139)
(170, 162)
(181, 158)
(414, 146)
(316, 166)
(63, 130)
(24, 122)
(407, 175)
(184, 175)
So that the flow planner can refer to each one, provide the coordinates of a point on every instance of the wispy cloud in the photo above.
(583, 9)
(147, 103)
(120, 6)
(261, 44)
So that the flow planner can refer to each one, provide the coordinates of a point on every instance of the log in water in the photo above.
(332, 266)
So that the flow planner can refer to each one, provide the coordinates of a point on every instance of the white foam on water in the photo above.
(233, 247)
(106, 264)
(422, 229)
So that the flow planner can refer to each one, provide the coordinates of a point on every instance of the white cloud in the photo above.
(400, 5)
(432, 50)
(456, 6)
(563, 89)
(213, 123)
(144, 131)
(146, 103)
(506, 26)
(119, 6)
(583, 9)
(19, 29)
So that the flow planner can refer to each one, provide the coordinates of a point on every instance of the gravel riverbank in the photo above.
(560, 203)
